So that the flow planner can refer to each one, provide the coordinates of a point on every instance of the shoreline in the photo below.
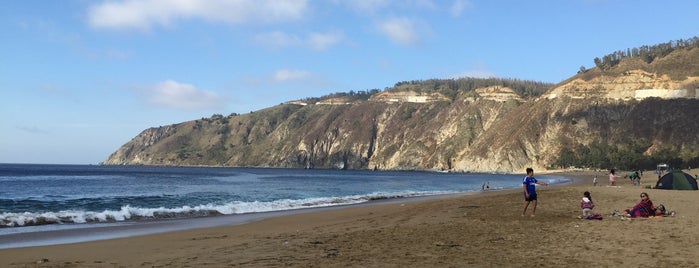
(53, 234)
(81, 233)
(482, 229)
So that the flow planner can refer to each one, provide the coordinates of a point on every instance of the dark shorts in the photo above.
(532, 197)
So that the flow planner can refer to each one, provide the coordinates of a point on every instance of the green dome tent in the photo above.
(677, 180)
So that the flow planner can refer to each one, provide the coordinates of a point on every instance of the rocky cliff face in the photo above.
(494, 132)
(490, 129)
(400, 131)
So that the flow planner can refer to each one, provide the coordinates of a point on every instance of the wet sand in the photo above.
(484, 230)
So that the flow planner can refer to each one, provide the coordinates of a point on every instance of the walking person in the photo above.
(529, 185)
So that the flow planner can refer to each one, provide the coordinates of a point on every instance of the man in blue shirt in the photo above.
(529, 184)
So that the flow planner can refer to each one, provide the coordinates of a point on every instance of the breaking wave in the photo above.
(132, 213)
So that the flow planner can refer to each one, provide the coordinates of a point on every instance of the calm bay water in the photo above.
(67, 195)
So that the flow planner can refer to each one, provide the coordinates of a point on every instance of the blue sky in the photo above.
(80, 78)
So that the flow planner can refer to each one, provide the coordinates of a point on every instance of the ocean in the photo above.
(42, 198)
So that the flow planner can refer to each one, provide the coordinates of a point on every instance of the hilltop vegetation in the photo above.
(677, 59)
(450, 88)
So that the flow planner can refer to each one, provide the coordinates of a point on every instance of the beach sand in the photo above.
(481, 230)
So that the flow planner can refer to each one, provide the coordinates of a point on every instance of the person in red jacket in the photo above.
(642, 209)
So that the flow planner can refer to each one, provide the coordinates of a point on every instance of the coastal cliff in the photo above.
(598, 118)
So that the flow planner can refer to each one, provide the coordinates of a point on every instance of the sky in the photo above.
(78, 78)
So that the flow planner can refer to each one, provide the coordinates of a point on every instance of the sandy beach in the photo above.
(481, 230)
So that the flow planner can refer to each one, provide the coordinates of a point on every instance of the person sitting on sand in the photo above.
(587, 205)
(661, 211)
(642, 209)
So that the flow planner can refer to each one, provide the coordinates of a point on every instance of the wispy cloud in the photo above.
(321, 41)
(145, 14)
(477, 70)
(474, 74)
(289, 75)
(287, 78)
(370, 7)
(172, 94)
(399, 30)
(365, 6)
(315, 41)
(458, 7)
(32, 129)
(277, 39)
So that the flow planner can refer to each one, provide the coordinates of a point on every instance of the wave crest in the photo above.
(129, 213)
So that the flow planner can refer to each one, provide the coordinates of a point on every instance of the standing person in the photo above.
(612, 177)
(586, 205)
(594, 181)
(529, 184)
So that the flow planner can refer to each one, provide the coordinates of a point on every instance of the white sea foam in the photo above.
(127, 212)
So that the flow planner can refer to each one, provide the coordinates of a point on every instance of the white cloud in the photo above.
(399, 30)
(370, 7)
(172, 94)
(321, 41)
(277, 39)
(365, 6)
(144, 14)
(288, 75)
(458, 7)
(315, 41)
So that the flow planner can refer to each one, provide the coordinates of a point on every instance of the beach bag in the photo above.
(594, 217)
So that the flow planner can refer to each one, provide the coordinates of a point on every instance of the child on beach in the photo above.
(587, 205)
(529, 184)
(612, 177)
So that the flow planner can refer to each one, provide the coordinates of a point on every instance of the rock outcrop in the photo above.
(635, 84)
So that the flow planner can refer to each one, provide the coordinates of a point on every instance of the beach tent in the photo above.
(677, 180)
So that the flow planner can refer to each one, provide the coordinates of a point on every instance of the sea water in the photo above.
(66, 196)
